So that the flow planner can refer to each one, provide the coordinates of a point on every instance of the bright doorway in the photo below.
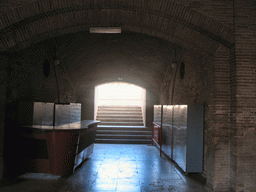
(120, 104)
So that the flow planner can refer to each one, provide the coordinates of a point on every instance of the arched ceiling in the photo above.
(26, 22)
(92, 59)
(139, 59)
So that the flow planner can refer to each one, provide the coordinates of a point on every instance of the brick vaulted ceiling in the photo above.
(131, 57)
(25, 22)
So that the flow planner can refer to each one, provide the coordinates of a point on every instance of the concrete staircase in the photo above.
(120, 116)
(123, 135)
(122, 125)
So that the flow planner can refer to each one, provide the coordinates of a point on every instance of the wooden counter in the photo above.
(56, 149)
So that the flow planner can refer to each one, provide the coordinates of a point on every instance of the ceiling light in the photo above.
(105, 29)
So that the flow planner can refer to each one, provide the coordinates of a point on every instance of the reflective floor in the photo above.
(114, 168)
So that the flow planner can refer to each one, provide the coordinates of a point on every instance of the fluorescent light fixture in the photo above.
(105, 29)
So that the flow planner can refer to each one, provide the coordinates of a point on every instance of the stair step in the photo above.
(103, 136)
(119, 117)
(123, 123)
(119, 132)
(120, 120)
(118, 114)
(129, 116)
(136, 110)
(124, 141)
(119, 107)
(123, 128)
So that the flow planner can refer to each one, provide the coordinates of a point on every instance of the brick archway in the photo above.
(123, 97)
(39, 20)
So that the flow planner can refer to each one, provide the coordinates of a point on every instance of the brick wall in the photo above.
(190, 89)
(206, 82)
(221, 11)
(218, 133)
(243, 106)
(169, 20)
(243, 110)
(3, 67)
(26, 80)
(99, 58)
(223, 80)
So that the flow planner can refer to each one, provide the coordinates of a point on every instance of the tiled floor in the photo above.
(114, 168)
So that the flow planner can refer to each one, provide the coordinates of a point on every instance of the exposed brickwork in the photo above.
(27, 82)
(95, 59)
(218, 133)
(221, 11)
(220, 68)
(165, 19)
(206, 82)
(243, 107)
(3, 73)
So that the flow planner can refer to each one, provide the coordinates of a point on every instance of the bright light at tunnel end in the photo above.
(118, 93)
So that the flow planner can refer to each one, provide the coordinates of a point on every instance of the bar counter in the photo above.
(56, 149)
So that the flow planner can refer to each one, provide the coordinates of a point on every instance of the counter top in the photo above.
(70, 126)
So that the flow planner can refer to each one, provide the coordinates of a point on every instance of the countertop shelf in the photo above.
(85, 124)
